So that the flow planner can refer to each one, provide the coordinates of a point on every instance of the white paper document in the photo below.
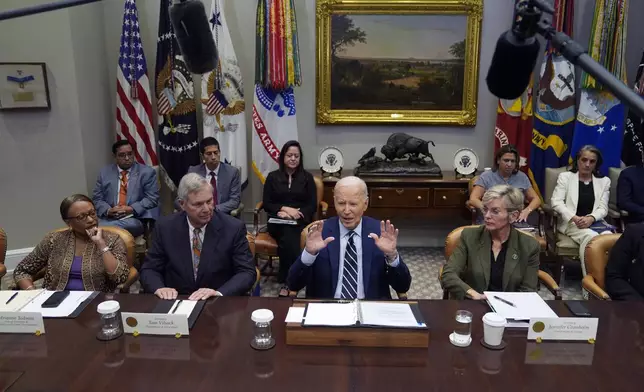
(365, 313)
(185, 307)
(331, 314)
(65, 309)
(295, 314)
(526, 306)
(21, 298)
(388, 315)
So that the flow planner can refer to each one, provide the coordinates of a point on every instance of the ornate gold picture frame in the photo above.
(410, 62)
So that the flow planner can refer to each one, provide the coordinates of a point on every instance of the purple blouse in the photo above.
(75, 281)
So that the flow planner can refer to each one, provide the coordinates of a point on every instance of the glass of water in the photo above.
(463, 328)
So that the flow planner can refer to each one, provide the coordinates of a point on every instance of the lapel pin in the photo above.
(514, 256)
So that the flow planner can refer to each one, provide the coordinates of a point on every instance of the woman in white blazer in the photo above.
(581, 199)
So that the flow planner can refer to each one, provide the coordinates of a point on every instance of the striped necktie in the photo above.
(196, 250)
(350, 270)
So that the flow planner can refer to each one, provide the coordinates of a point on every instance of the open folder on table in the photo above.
(519, 308)
(363, 314)
(71, 306)
(191, 309)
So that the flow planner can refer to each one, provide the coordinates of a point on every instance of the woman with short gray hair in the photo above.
(494, 256)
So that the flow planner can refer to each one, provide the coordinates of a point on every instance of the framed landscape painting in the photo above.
(410, 62)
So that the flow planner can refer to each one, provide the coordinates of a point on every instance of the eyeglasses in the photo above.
(83, 216)
(125, 154)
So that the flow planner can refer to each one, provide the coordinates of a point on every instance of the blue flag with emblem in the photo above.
(554, 113)
(176, 105)
(600, 118)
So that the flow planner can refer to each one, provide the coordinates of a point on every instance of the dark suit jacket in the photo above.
(321, 278)
(142, 191)
(470, 264)
(228, 186)
(226, 263)
(625, 268)
(630, 193)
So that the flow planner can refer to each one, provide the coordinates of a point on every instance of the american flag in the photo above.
(216, 103)
(133, 107)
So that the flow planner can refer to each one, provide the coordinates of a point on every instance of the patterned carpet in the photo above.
(424, 264)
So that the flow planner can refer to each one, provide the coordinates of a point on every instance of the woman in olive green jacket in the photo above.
(494, 256)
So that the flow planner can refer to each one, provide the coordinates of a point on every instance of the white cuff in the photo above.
(307, 258)
(394, 263)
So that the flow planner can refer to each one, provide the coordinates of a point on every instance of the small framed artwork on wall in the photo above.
(24, 86)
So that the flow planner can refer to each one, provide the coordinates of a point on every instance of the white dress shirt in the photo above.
(209, 176)
(308, 259)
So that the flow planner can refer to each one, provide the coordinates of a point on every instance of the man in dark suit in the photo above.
(126, 192)
(630, 194)
(223, 177)
(198, 251)
(625, 268)
(350, 256)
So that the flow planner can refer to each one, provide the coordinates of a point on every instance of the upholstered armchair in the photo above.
(614, 212)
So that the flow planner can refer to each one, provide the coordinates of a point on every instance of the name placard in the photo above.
(564, 328)
(155, 324)
(19, 322)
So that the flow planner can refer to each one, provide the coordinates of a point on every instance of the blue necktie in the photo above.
(350, 270)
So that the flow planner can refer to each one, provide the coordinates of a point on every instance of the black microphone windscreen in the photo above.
(512, 66)
(194, 36)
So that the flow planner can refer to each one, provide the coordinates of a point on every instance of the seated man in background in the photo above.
(126, 192)
(350, 256)
(630, 194)
(223, 177)
(198, 251)
(625, 268)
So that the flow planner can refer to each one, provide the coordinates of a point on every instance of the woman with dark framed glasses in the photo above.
(81, 258)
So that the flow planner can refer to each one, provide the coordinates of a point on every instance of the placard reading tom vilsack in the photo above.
(563, 328)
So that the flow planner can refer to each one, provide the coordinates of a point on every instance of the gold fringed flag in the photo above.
(277, 72)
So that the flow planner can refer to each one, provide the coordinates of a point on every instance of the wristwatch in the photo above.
(105, 250)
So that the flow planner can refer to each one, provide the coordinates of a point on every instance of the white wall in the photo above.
(45, 156)
(41, 153)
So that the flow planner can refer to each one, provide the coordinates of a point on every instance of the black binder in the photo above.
(164, 306)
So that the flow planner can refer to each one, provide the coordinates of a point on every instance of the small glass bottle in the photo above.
(263, 338)
(111, 326)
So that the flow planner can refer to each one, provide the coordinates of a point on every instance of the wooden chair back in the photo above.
(596, 256)
(3, 252)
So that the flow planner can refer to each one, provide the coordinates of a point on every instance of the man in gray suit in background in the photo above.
(126, 192)
(223, 177)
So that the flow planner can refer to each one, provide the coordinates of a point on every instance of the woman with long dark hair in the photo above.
(289, 193)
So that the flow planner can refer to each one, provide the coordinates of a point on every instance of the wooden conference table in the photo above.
(217, 356)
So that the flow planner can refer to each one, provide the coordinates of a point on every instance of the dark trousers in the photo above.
(288, 246)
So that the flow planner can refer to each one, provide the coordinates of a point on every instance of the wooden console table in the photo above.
(410, 198)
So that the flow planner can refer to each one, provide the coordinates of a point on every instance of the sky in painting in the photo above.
(407, 36)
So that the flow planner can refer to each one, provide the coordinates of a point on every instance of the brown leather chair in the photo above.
(540, 238)
(251, 244)
(265, 245)
(451, 241)
(402, 296)
(596, 258)
(3, 252)
(130, 255)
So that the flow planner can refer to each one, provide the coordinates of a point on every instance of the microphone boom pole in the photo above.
(577, 55)
(38, 9)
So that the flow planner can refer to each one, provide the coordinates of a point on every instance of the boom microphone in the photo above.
(194, 36)
(512, 65)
